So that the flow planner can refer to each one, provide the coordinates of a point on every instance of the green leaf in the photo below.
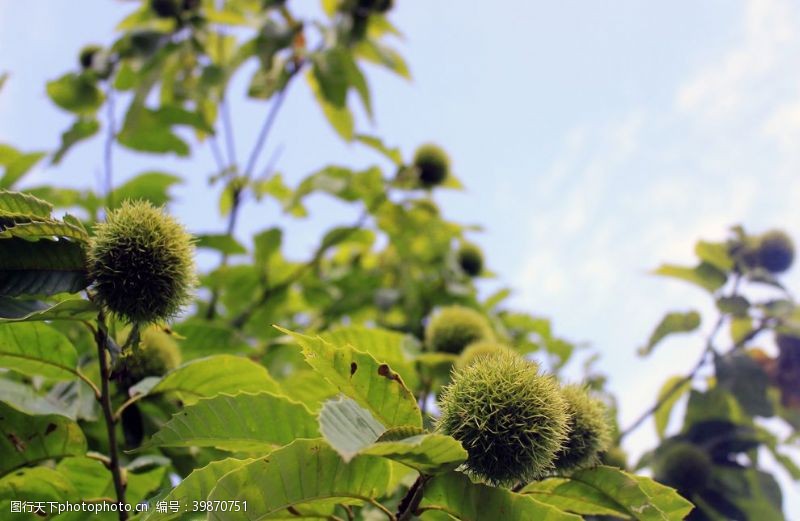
(610, 491)
(213, 375)
(737, 305)
(83, 128)
(340, 118)
(76, 93)
(25, 205)
(704, 275)
(34, 348)
(222, 243)
(385, 346)
(41, 267)
(307, 474)
(348, 427)
(715, 254)
(29, 439)
(242, 422)
(195, 487)
(459, 497)
(42, 483)
(45, 229)
(203, 338)
(375, 143)
(744, 378)
(675, 322)
(150, 186)
(93, 482)
(148, 130)
(678, 386)
(373, 385)
(383, 55)
(427, 453)
(13, 310)
(265, 245)
(20, 166)
(24, 398)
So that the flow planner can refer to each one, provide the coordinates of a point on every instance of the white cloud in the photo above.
(624, 197)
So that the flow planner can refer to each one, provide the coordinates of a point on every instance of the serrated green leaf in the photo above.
(195, 487)
(427, 453)
(373, 385)
(610, 491)
(675, 322)
(34, 348)
(24, 398)
(704, 275)
(29, 439)
(677, 386)
(213, 375)
(459, 497)
(348, 427)
(241, 422)
(24, 204)
(14, 310)
(45, 229)
(385, 346)
(307, 474)
(41, 267)
(42, 483)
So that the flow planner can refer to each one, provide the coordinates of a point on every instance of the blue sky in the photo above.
(596, 139)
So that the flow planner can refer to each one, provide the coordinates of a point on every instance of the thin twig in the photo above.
(101, 338)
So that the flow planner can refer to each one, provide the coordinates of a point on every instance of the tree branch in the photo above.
(101, 338)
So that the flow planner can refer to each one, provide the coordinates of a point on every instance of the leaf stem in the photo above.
(101, 338)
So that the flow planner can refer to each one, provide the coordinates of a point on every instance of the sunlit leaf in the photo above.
(30, 439)
(462, 499)
(242, 422)
(307, 474)
(675, 322)
(373, 385)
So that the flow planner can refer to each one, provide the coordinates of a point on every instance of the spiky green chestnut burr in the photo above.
(165, 8)
(589, 430)
(510, 418)
(477, 351)
(683, 466)
(775, 251)
(470, 259)
(455, 327)
(141, 263)
(156, 354)
(433, 165)
(87, 54)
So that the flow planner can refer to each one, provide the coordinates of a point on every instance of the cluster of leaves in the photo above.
(330, 429)
(734, 411)
(223, 404)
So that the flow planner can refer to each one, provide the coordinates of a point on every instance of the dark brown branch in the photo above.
(101, 338)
